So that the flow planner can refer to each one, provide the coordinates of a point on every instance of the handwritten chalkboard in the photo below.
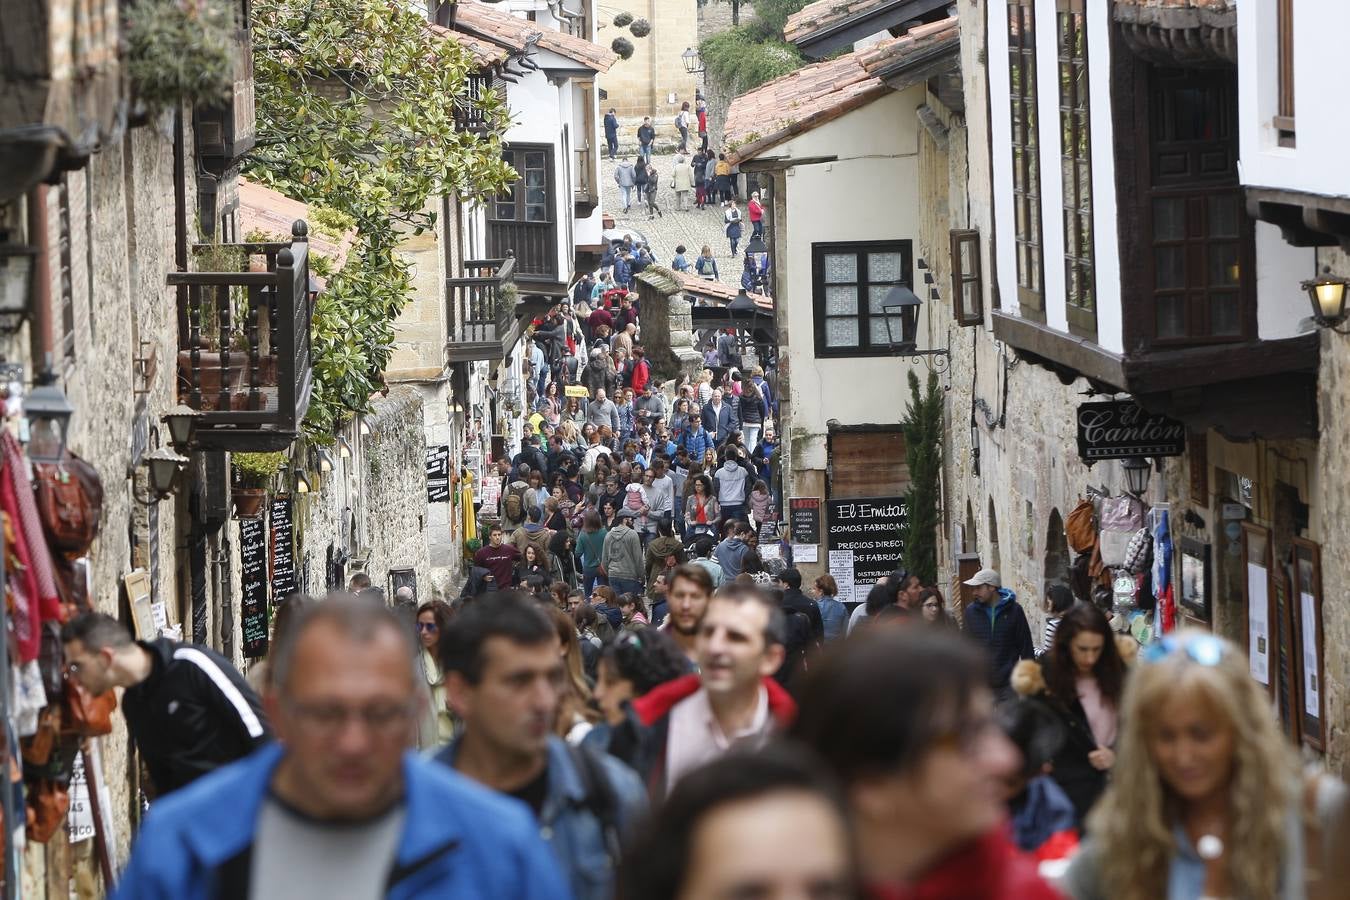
(804, 516)
(283, 550)
(253, 586)
(872, 529)
(438, 474)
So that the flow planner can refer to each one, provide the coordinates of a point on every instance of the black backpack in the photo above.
(796, 647)
(600, 798)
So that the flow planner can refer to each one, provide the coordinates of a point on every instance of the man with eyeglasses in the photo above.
(188, 709)
(504, 676)
(341, 807)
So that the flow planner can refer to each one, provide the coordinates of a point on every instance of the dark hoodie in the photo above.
(1004, 630)
(192, 715)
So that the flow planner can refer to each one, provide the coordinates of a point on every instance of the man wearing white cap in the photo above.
(996, 620)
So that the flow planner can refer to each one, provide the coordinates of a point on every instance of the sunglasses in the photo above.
(1202, 649)
(427, 626)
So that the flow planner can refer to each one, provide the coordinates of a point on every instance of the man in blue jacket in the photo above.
(997, 621)
(504, 678)
(612, 133)
(339, 807)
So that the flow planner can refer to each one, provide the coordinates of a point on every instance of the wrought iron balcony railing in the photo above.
(244, 343)
(480, 310)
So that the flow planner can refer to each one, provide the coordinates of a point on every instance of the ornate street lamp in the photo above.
(48, 412)
(182, 423)
(1328, 301)
(902, 303)
(1137, 473)
(165, 467)
(16, 278)
(692, 64)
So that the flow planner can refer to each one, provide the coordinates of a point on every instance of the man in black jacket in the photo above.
(187, 708)
(790, 580)
(646, 134)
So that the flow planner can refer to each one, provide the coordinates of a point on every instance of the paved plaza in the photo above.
(692, 228)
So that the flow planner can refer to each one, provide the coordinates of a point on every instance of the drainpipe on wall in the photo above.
(40, 327)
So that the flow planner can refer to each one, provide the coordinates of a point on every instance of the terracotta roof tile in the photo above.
(822, 13)
(1217, 5)
(263, 209)
(718, 291)
(796, 103)
(485, 53)
(889, 54)
(519, 35)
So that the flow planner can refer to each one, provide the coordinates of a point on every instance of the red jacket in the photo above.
(642, 373)
(989, 868)
(653, 708)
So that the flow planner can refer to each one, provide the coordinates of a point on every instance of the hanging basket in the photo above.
(640, 28)
(623, 19)
(622, 47)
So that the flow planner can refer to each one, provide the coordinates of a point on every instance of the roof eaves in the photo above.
(861, 98)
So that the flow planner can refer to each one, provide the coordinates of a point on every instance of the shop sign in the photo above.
(438, 473)
(1122, 429)
(804, 518)
(872, 529)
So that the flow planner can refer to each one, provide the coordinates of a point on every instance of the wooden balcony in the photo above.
(244, 344)
(481, 311)
(468, 114)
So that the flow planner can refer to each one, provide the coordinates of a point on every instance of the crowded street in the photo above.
(782, 450)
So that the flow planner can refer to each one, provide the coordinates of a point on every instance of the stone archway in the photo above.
(1057, 556)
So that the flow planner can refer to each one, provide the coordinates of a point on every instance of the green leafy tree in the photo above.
(923, 453)
(356, 103)
(746, 56)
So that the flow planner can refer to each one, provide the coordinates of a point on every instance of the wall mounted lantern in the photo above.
(1327, 296)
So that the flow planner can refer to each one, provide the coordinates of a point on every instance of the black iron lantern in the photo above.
(759, 256)
(48, 412)
(1137, 473)
(16, 279)
(692, 64)
(300, 482)
(182, 423)
(902, 304)
(1328, 300)
(165, 467)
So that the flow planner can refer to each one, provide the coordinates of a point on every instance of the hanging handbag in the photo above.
(69, 497)
(1080, 528)
(48, 804)
(86, 714)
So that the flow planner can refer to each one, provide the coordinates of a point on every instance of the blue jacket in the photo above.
(697, 442)
(568, 821)
(1042, 811)
(1004, 630)
(611, 126)
(720, 422)
(834, 615)
(459, 842)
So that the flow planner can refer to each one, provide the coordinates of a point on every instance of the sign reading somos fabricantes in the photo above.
(873, 528)
(1122, 429)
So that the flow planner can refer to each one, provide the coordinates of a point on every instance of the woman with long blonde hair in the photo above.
(575, 713)
(1206, 799)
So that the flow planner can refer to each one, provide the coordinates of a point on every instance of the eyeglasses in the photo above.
(427, 626)
(1203, 649)
(331, 719)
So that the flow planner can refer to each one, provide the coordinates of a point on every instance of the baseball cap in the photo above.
(984, 576)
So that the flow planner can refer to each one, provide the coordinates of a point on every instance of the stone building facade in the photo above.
(644, 84)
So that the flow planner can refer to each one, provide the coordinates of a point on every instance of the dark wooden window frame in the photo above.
(533, 242)
(861, 248)
(1075, 128)
(1152, 186)
(1284, 31)
(1026, 161)
(1312, 729)
(963, 279)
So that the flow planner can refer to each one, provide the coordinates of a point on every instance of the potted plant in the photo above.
(252, 473)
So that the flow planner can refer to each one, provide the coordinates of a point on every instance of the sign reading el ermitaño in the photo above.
(873, 530)
(1122, 429)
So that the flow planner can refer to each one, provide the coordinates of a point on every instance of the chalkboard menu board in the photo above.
(253, 586)
(804, 517)
(283, 550)
(872, 531)
(438, 474)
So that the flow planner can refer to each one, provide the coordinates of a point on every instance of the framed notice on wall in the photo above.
(1256, 581)
(1307, 609)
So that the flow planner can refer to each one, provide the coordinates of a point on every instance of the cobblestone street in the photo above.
(692, 228)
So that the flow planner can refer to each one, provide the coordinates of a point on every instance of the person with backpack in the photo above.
(682, 123)
(706, 264)
(515, 500)
(696, 440)
(621, 558)
(626, 178)
(505, 677)
(534, 534)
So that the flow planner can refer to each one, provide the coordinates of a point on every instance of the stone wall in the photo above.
(642, 85)
(395, 490)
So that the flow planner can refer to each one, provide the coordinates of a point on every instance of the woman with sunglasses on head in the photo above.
(1080, 681)
(435, 727)
(1206, 799)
